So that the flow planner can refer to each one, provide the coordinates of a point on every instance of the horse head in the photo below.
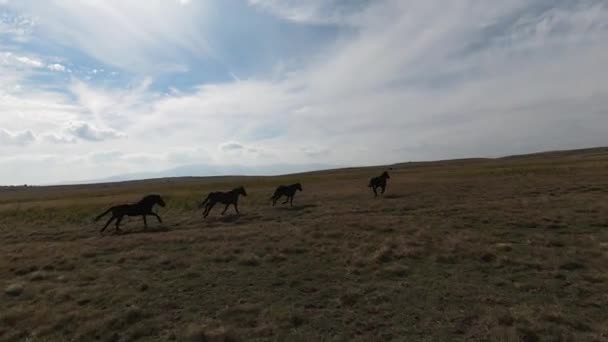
(159, 200)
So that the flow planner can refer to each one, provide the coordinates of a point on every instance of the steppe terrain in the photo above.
(510, 249)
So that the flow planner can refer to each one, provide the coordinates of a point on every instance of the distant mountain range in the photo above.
(203, 170)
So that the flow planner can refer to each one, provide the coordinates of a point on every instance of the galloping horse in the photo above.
(286, 190)
(379, 182)
(227, 198)
(141, 208)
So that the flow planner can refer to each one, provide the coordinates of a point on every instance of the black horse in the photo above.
(286, 190)
(379, 182)
(227, 198)
(141, 208)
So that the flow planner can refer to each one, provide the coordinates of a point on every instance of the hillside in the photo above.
(512, 248)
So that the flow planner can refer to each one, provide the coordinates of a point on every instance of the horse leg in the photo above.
(236, 207)
(225, 208)
(383, 189)
(118, 220)
(145, 222)
(286, 199)
(291, 201)
(208, 208)
(375, 192)
(107, 224)
(274, 200)
(157, 217)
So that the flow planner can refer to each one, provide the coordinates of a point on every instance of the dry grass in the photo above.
(498, 250)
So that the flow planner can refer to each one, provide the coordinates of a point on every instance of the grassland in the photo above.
(512, 249)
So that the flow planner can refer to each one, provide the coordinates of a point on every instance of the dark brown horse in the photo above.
(288, 191)
(141, 208)
(227, 198)
(379, 182)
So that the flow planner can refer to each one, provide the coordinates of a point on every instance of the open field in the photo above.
(513, 249)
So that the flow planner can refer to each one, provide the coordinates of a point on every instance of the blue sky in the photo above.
(91, 89)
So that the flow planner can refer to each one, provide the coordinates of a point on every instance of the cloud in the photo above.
(314, 11)
(29, 61)
(239, 153)
(187, 156)
(315, 152)
(56, 67)
(108, 105)
(231, 146)
(58, 139)
(85, 131)
(398, 80)
(17, 28)
(153, 33)
(16, 138)
(11, 59)
(105, 157)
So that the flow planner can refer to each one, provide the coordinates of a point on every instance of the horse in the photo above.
(379, 182)
(286, 190)
(141, 208)
(227, 198)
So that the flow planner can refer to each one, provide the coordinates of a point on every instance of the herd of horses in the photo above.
(144, 207)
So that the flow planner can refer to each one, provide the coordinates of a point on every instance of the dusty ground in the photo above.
(493, 250)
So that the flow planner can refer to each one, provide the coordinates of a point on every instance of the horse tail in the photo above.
(277, 193)
(102, 215)
(370, 184)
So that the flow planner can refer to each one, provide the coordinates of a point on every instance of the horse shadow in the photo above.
(149, 230)
(242, 218)
(298, 207)
(393, 196)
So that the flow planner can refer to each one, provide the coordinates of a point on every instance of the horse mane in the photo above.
(149, 197)
(152, 198)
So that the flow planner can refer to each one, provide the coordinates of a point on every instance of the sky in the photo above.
(91, 89)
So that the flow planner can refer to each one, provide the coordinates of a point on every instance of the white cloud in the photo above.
(31, 62)
(405, 81)
(10, 59)
(104, 157)
(17, 28)
(231, 146)
(85, 131)
(16, 138)
(54, 138)
(316, 151)
(153, 33)
(340, 12)
(56, 67)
